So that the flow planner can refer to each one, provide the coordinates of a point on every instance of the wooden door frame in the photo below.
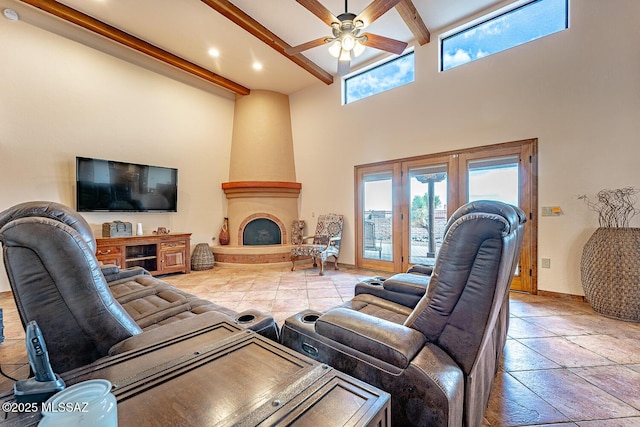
(526, 152)
(405, 204)
(360, 172)
(526, 149)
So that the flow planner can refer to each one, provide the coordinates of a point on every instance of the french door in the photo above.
(402, 206)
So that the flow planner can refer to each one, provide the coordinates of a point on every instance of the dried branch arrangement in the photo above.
(615, 207)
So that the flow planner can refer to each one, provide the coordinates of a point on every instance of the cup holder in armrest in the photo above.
(246, 318)
(373, 281)
(310, 317)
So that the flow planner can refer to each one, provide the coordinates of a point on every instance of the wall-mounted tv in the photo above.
(111, 186)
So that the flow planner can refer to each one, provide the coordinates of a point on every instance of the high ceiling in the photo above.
(188, 29)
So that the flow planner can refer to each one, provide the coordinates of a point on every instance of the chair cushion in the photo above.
(314, 251)
(150, 301)
(379, 307)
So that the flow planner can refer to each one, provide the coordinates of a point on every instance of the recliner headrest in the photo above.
(515, 216)
(52, 210)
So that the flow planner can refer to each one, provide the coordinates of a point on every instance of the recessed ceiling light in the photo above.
(257, 66)
(214, 52)
(10, 14)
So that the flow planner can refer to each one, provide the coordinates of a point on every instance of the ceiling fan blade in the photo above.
(304, 46)
(344, 67)
(375, 10)
(315, 7)
(385, 43)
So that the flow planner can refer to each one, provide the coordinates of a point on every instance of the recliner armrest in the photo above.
(408, 283)
(387, 341)
(109, 269)
(112, 272)
(427, 270)
(402, 288)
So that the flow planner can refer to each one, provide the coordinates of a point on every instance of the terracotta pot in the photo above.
(224, 238)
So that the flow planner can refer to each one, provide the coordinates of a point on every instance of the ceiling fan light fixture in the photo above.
(358, 48)
(345, 55)
(348, 42)
(334, 48)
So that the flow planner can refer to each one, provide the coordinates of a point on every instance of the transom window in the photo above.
(521, 25)
(389, 75)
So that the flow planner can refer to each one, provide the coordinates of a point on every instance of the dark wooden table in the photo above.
(223, 376)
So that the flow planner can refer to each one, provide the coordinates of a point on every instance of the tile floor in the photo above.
(564, 365)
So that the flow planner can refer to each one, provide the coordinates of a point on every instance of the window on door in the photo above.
(427, 212)
(377, 215)
(403, 205)
(494, 179)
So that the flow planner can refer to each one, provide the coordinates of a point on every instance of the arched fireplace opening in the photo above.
(261, 231)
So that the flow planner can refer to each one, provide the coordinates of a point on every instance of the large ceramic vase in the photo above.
(610, 270)
(224, 237)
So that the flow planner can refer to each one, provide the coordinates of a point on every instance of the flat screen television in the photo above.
(111, 186)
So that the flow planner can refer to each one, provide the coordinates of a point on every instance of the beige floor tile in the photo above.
(565, 325)
(235, 286)
(221, 297)
(523, 328)
(287, 294)
(294, 305)
(617, 422)
(619, 350)
(260, 295)
(618, 381)
(261, 305)
(513, 404)
(323, 293)
(519, 357)
(635, 367)
(298, 284)
(573, 396)
(564, 352)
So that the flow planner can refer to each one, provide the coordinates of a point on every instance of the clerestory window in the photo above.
(512, 28)
(391, 74)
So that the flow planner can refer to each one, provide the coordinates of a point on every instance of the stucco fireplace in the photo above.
(262, 194)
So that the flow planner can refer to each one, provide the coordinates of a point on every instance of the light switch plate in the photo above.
(551, 211)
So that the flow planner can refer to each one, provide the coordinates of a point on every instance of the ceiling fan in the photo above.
(347, 42)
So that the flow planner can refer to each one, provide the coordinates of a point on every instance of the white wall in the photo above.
(577, 91)
(60, 99)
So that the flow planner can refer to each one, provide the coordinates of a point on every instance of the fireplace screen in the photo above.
(261, 231)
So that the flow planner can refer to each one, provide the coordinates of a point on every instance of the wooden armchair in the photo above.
(326, 242)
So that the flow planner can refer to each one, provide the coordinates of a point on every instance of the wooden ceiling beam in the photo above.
(412, 18)
(236, 15)
(98, 27)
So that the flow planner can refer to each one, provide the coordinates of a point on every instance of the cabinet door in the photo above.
(173, 257)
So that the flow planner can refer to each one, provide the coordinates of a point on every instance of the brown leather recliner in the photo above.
(49, 255)
(438, 359)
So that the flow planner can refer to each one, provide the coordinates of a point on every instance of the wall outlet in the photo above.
(546, 262)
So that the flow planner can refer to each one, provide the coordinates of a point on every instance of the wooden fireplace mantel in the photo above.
(236, 189)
